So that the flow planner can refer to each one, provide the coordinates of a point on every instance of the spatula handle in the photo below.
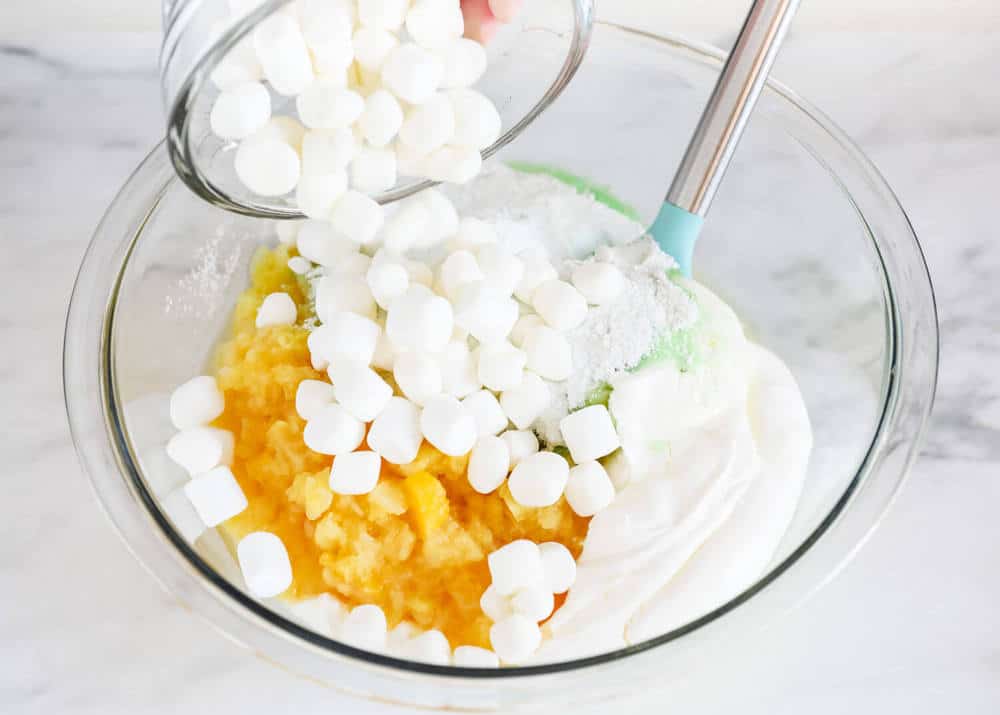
(730, 105)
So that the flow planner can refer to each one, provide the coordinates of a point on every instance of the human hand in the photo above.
(483, 17)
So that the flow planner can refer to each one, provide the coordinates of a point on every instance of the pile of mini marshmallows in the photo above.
(381, 89)
(463, 352)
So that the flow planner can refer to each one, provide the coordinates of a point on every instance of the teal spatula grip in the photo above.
(676, 230)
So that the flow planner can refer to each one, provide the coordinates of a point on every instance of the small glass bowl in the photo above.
(805, 240)
(551, 36)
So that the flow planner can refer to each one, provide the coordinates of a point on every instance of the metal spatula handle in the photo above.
(730, 105)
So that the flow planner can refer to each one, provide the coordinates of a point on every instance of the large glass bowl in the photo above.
(805, 240)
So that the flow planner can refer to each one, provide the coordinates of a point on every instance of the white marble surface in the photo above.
(910, 626)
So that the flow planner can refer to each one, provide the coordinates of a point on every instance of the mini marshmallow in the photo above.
(539, 479)
(283, 54)
(515, 566)
(354, 263)
(344, 293)
(266, 166)
(311, 396)
(385, 353)
(524, 325)
(537, 270)
(435, 23)
(322, 613)
(464, 63)
(325, 24)
(276, 309)
(549, 353)
(598, 282)
(199, 449)
(428, 647)
(381, 119)
(589, 489)
(521, 444)
(197, 402)
(524, 403)
(485, 313)
(326, 150)
(501, 366)
(326, 104)
(534, 602)
(589, 433)
(418, 376)
(420, 321)
(502, 270)
(264, 562)
(448, 425)
(359, 389)
(458, 268)
(242, 110)
(559, 566)
(387, 280)
(382, 14)
(490, 418)
(420, 222)
(372, 46)
(333, 431)
(355, 472)
(459, 372)
(452, 164)
(515, 638)
(408, 161)
(240, 65)
(373, 170)
(345, 335)
(428, 126)
(470, 656)
(488, 464)
(216, 496)
(365, 627)
(412, 73)
(473, 233)
(559, 304)
(477, 122)
(318, 242)
(317, 194)
(183, 515)
(495, 605)
(400, 636)
(357, 216)
(443, 217)
(406, 225)
(284, 129)
(395, 434)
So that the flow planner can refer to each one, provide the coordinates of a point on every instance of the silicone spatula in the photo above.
(679, 222)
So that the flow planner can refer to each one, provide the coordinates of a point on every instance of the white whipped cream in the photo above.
(717, 455)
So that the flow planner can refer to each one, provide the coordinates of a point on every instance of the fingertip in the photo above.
(504, 10)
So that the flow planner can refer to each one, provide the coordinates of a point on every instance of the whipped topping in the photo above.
(717, 458)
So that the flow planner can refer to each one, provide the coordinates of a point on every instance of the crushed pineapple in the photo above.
(415, 546)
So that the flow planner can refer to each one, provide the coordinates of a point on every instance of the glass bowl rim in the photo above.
(124, 452)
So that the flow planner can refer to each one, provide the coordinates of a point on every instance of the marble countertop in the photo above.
(910, 625)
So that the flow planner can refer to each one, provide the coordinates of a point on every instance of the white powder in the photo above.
(614, 337)
(535, 212)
